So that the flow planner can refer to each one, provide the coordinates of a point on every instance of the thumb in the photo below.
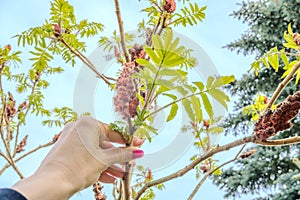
(121, 154)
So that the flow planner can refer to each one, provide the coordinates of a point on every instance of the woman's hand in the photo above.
(83, 154)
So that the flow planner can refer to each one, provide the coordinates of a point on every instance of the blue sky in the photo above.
(217, 30)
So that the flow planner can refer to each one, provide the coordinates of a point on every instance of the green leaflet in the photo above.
(141, 132)
(158, 47)
(222, 80)
(288, 36)
(197, 109)
(288, 68)
(200, 85)
(144, 131)
(298, 76)
(188, 109)
(165, 83)
(273, 58)
(179, 74)
(171, 96)
(215, 130)
(147, 64)
(182, 90)
(209, 82)
(265, 61)
(283, 57)
(173, 112)
(207, 105)
(220, 96)
(162, 89)
(154, 58)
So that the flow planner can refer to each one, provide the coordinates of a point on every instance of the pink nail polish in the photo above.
(138, 153)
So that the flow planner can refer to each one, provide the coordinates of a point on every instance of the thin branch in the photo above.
(212, 171)
(208, 139)
(154, 30)
(11, 160)
(199, 185)
(163, 25)
(25, 114)
(282, 85)
(280, 142)
(120, 191)
(26, 154)
(157, 5)
(5, 157)
(34, 150)
(9, 156)
(245, 140)
(87, 62)
(126, 180)
(189, 167)
(121, 29)
(2, 96)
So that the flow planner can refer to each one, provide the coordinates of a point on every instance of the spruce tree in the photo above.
(268, 172)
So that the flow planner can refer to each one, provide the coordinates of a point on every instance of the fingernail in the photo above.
(138, 153)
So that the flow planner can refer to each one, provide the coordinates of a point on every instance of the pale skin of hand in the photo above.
(83, 154)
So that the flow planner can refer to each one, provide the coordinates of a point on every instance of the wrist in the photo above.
(46, 186)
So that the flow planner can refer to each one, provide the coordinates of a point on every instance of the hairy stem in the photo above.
(121, 29)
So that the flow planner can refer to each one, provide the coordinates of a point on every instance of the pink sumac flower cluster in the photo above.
(170, 6)
(126, 101)
(296, 38)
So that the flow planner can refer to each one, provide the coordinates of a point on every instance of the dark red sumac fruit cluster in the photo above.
(278, 120)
